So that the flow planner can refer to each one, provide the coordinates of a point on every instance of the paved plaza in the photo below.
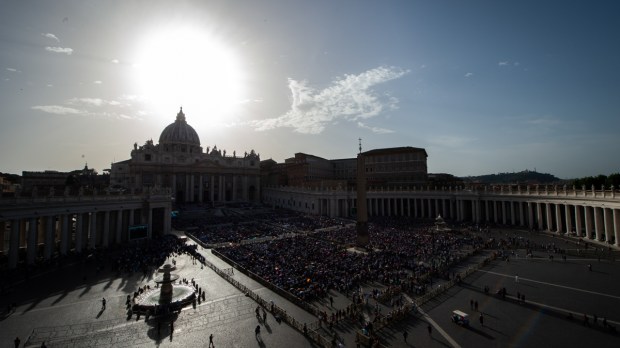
(63, 308)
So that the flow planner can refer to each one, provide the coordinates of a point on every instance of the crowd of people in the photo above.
(309, 266)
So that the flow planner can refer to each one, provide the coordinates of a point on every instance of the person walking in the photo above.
(257, 330)
(211, 344)
(103, 303)
(481, 320)
(17, 341)
(516, 278)
(430, 329)
(405, 334)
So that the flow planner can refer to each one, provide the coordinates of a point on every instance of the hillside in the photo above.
(524, 177)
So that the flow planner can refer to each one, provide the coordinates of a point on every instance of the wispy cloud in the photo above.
(13, 70)
(92, 102)
(543, 121)
(349, 98)
(375, 129)
(65, 50)
(469, 74)
(51, 36)
(451, 141)
(503, 63)
(91, 107)
(97, 82)
(57, 109)
(115, 61)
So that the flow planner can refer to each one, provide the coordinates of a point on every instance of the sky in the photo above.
(484, 86)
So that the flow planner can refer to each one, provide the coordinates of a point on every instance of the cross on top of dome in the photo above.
(181, 115)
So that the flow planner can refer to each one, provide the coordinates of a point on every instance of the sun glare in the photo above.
(189, 67)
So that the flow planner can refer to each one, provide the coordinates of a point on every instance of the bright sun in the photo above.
(188, 67)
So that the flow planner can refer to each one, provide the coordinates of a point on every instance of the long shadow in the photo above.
(441, 342)
(99, 314)
(63, 295)
(492, 329)
(480, 332)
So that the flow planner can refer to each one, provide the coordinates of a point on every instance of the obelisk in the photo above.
(362, 212)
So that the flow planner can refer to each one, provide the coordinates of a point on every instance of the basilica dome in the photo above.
(179, 132)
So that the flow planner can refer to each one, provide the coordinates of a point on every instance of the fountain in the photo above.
(167, 295)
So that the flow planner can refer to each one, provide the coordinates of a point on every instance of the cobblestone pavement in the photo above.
(62, 308)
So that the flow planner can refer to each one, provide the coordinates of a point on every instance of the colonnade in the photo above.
(34, 229)
(594, 215)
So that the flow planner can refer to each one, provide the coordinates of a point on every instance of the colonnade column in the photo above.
(212, 188)
(50, 222)
(415, 207)
(167, 220)
(504, 219)
(106, 229)
(530, 215)
(64, 234)
(14, 243)
(92, 240)
(598, 223)
(174, 185)
(513, 220)
(539, 210)
(588, 211)
(495, 219)
(569, 221)
(578, 220)
(31, 248)
(549, 218)
(521, 214)
(609, 227)
(221, 197)
(558, 218)
(617, 226)
(119, 226)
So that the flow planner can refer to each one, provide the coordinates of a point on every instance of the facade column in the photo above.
(92, 238)
(504, 217)
(192, 187)
(513, 220)
(609, 224)
(149, 223)
(415, 207)
(246, 189)
(588, 211)
(174, 185)
(578, 220)
(423, 208)
(64, 234)
(569, 221)
(14, 243)
(200, 188)
(212, 188)
(495, 219)
(221, 197)
(487, 209)
(106, 228)
(598, 223)
(31, 248)
(49, 237)
(521, 214)
(558, 218)
(381, 207)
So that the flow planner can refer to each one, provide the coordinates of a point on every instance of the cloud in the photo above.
(50, 85)
(451, 141)
(349, 98)
(375, 129)
(503, 63)
(13, 70)
(92, 102)
(516, 63)
(57, 109)
(543, 121)
(51, 36)
(65, 50)
(469, 74)
(115, 61)
(97, 82)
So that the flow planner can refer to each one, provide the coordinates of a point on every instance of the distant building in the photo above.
(389, 167)
(178, 162)
(6, 186)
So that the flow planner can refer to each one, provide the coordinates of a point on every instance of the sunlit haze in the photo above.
(483, 86)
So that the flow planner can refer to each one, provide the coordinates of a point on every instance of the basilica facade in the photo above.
(178, 162)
